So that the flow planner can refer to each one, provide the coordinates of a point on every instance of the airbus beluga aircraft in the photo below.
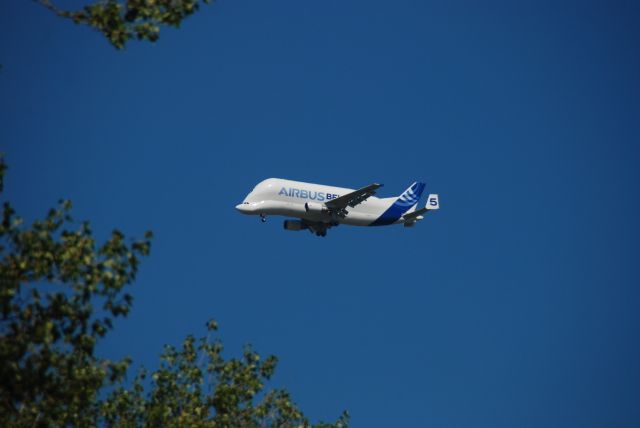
(318, 207)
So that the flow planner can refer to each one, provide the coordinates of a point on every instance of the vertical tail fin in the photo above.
(411, 196)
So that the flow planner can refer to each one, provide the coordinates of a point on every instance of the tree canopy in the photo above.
(60, 292)
(122, 20)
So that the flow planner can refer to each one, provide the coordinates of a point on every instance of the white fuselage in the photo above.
(275, 196)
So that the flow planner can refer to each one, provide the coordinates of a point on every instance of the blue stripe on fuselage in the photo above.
(391, 215)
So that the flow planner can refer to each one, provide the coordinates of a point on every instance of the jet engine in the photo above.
(312, 207)
(294, 225)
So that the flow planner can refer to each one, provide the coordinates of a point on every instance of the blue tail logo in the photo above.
(409, 198)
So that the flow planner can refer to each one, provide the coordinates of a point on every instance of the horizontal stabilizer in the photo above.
(433, 203)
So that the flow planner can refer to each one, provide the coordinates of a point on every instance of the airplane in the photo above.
(317, 207)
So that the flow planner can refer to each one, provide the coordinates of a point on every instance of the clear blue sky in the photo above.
(516, 305)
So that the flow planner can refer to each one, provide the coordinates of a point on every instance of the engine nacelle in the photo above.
(314, 208)
(294, 225)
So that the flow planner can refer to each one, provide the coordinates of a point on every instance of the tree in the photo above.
(59, 294)
(122, 20)
(196, 387)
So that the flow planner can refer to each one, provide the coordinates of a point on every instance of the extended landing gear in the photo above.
(320, 229)
(316, 228)
(263, 218)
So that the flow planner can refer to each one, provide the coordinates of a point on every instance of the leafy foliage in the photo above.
(196, 387)
(51, 279)
(122, 20)
(59, 295)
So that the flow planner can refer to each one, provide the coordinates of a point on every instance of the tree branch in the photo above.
(54, 9)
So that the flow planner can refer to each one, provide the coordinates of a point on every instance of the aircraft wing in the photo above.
(352, 199)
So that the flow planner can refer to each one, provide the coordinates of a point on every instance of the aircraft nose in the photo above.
(243, 208)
